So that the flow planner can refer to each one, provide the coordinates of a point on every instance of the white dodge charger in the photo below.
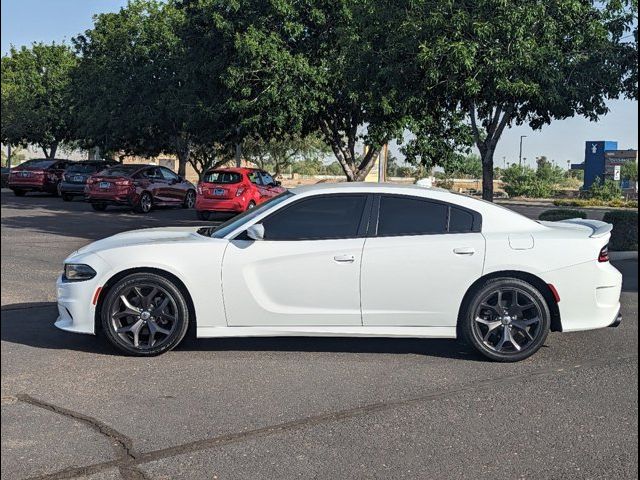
(348, 260)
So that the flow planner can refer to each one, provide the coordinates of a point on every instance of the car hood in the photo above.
(147, 236)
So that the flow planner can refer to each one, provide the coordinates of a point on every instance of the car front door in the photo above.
(419, 263)
(306, 271)
(158, 185)
(175, 188)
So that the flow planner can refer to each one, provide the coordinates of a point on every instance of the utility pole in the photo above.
(520, 156)
(8, 155)
(238, 154)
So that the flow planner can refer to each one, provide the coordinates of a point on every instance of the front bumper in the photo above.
(76, 311)
(616, 323)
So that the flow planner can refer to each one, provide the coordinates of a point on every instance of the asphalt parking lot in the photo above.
(292, 407)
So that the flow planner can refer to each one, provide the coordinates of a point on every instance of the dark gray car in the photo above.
(76, 175)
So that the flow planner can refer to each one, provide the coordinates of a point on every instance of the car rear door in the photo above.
(175, 189)
(420, 261)
(158, 185)
(306, 271)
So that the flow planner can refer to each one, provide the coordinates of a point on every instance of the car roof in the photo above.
(235, 169)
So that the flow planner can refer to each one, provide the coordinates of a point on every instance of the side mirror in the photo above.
(256, 232)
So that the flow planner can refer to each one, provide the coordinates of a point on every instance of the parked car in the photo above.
(37, 175)
(234, 190)
(5, 177)
(139, 186)
(76, 175)
(375, 260)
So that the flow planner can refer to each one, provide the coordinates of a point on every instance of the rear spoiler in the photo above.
(599, 229)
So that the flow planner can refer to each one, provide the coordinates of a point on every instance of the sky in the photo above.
(26, 21)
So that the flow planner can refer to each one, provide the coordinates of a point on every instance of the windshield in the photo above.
(230, 225)
(222, 177)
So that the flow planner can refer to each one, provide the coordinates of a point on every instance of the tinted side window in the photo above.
(460, 221)
(321, 217)
(410, 216)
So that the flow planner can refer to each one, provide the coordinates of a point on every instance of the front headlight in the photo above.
(77, 272)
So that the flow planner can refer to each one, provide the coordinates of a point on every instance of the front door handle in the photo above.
(344, 258)
(464, 251)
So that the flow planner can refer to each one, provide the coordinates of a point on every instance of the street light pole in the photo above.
(520, 156)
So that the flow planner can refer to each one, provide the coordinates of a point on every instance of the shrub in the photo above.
(625, 229)
(525, 182)
(607, 191)
(594, 202)
(561, 214)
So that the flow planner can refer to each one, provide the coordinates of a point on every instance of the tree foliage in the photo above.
(36, 96)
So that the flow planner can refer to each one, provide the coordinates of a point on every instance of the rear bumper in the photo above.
(126, 200)
(237, 204)
(72, 188)
(33, 186)
(589, 295)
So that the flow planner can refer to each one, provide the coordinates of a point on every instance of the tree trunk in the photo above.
(184, 151)
(487, 176)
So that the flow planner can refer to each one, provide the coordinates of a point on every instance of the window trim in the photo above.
(476, 226)
(363, 225)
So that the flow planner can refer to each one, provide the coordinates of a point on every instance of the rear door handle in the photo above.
(344, 258)
(464, 251)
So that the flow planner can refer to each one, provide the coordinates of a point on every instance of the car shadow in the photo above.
(31, 324)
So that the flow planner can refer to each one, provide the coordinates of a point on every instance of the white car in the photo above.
(369, 260)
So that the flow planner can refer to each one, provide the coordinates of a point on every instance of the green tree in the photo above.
(135, 92)
(506, 63)
(297, 68)
(463, 166)
(36, 96)
(629, 171)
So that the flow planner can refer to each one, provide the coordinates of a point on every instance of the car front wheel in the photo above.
(144, 314)
(506, 320)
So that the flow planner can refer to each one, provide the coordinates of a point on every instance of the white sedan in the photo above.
(369, 260)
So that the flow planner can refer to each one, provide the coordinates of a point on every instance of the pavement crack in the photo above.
(122, 444)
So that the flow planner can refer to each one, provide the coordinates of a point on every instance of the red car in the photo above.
(234, 190)
(37, 175)
(138, 186)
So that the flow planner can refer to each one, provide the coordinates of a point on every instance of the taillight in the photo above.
(123, 183)
(240, 191)
(604, 254)
(199, 189)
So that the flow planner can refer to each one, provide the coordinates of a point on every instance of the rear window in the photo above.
(84, 168)
(222, 177)
(37, 164)
(120, 171)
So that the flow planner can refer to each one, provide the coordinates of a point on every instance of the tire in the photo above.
(58, 191)
(251, 205)
(67, 197)
(203, 215)
(189, 199)
(154, 319)
(99, 207)
(19, 193)
(145, 203)
(506, 320)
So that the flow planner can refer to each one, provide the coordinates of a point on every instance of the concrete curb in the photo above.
(631, 255)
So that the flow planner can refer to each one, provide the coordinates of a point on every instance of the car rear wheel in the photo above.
(145, 203)
(506, 320)
(145, 314)
(189, 199)
(67, 197)
(202, 215)
(99, 207)
(19, 193)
